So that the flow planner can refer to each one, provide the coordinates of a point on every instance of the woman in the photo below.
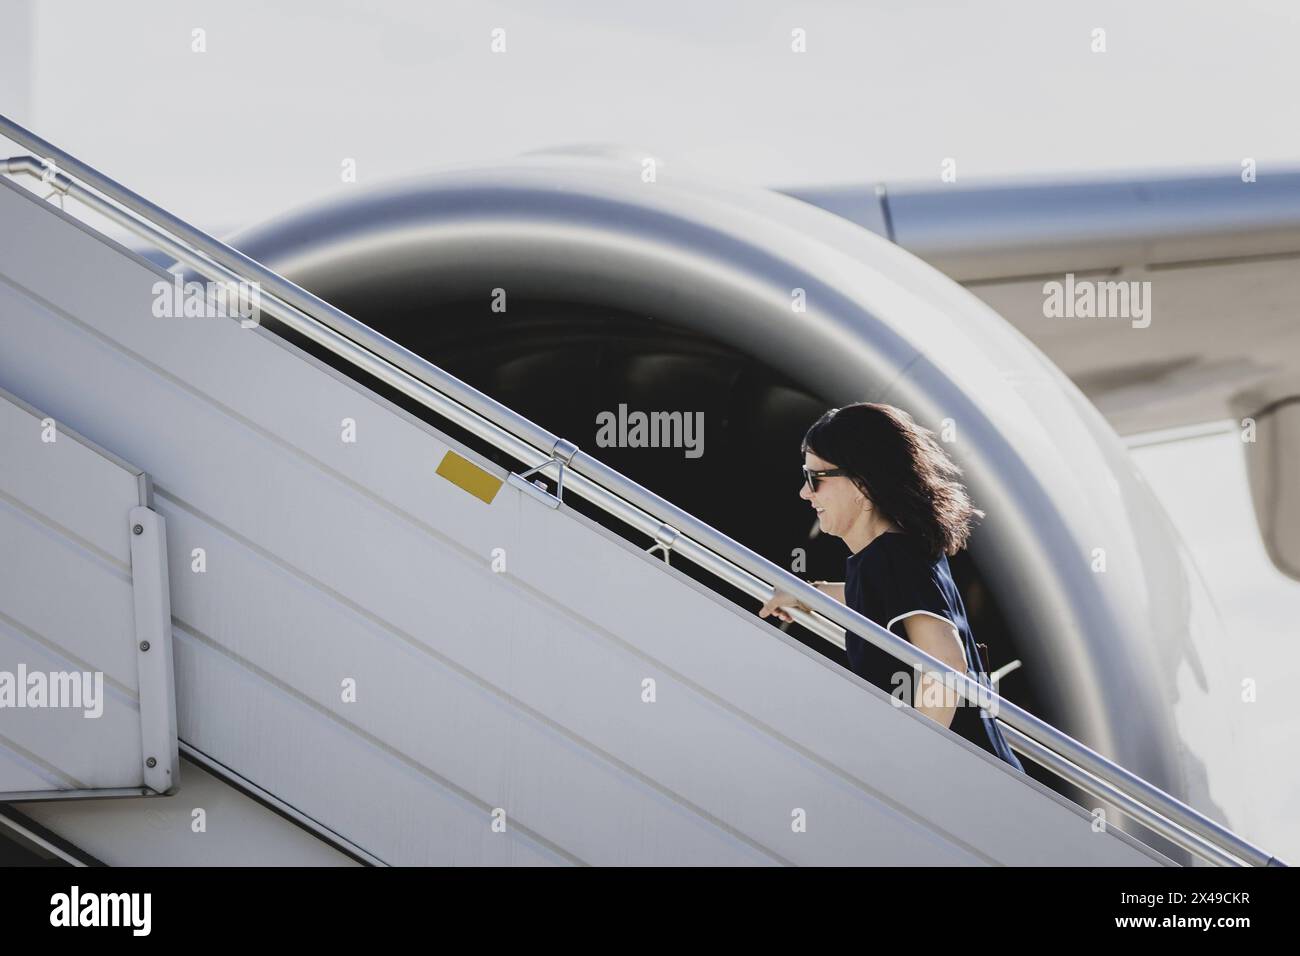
(882, 483)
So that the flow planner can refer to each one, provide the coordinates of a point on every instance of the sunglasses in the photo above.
(811, 478)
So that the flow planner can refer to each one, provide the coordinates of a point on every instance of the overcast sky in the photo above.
(886, 90)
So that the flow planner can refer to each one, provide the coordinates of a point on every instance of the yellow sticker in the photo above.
(468, 476)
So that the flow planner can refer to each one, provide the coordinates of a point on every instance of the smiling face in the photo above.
(839, 503)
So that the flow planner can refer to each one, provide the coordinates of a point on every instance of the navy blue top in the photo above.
(886, 581)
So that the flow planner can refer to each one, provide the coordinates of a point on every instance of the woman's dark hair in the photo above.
(901, 469)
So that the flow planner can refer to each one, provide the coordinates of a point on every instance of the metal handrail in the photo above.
(617, 495)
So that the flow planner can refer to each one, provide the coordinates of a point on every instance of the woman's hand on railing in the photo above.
(778, 602)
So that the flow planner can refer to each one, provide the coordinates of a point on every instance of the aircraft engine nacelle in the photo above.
(567, 285)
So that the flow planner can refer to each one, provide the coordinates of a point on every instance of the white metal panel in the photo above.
(67, 749)
(494, 732)
(232, 829)
(522, 690)
(398, 810)
(68, 615)
(66, 595)
(73, 486)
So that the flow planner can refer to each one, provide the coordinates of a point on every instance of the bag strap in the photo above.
(996, 738)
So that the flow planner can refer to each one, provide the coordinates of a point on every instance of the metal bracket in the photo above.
(665, 537)
(51, 175)
(1002, 672)
(153, 631)
(561, 455)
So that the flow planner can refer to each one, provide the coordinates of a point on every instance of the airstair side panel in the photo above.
(447, 678)
(76, 692)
